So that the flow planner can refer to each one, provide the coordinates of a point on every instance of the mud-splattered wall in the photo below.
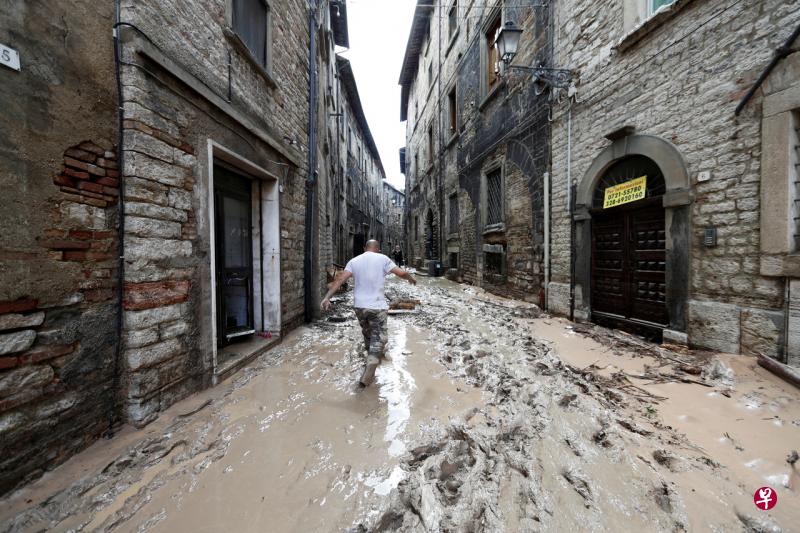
(58, 206)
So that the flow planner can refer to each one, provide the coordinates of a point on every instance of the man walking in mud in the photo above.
(369, 270)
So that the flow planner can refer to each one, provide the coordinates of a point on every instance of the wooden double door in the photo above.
(629, 267)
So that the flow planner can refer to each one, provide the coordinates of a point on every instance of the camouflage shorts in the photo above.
(373, 326)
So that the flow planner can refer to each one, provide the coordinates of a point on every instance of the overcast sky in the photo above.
(378, 35)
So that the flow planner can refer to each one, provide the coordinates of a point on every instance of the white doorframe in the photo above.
(266, 237)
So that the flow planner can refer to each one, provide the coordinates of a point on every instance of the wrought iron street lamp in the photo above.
(507, 45)
(508, 41)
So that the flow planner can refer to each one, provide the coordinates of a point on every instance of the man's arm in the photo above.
(343, 276)
(400, 273)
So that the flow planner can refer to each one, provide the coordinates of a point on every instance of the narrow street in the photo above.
(485, 416)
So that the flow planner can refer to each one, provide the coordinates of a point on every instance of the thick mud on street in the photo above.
(485, 416)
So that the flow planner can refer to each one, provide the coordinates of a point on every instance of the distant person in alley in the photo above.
(397, 255)
(369, 271)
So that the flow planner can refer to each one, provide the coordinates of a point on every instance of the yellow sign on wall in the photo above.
(630, 191)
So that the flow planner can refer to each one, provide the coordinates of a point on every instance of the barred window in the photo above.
(454, 213)
(494, 197)
(251, 24)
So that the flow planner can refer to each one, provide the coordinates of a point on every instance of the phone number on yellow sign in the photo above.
(630, 191)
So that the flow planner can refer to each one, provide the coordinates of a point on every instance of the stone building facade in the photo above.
(154, 231)
(477, 145)
(58, 244)
(710, 255)
(393, 203)
(361, 185)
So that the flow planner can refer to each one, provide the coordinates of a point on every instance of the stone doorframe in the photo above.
(677, 201)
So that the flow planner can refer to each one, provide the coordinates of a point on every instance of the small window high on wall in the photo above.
(452, 108)
(655, 5)
(452, 19)
(453, 213)
(251, 24)
(490, 36)
(494, 197)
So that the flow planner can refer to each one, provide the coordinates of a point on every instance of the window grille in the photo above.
(494, 193)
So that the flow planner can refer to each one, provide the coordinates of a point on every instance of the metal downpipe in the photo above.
(311, 182)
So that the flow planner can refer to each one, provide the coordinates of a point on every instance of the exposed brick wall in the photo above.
(56, 366)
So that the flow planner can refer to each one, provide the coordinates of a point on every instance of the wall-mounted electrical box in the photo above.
(710, 237)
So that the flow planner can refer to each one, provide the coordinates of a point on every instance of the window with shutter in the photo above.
(454, 213)
(491, 54)
(452, 17)
(251, 24)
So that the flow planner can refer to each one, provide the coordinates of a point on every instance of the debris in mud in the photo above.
(579, 483)
(793, 457)
(630, 426)
(690, 369)
(404, 303)
(719, 372)
(399, 306)
(662, 497)
(758, 524)
(541, 445)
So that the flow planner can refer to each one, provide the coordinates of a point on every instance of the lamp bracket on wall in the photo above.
(557, 78)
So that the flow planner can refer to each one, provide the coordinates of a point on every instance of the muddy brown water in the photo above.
(515, 440)
(300, 446)
(750, 434)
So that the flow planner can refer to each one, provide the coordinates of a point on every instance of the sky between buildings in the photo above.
(378, 35)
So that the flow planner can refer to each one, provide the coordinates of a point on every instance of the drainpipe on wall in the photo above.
(571, 210)
(546, 238)
(113, 412)
(440, 158)
(311, 180)
(786, 321)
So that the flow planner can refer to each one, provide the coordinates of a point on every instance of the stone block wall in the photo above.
(169, 342)
(505, 127)
(679, 76)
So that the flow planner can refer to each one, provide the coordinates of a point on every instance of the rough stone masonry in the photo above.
(677, 76)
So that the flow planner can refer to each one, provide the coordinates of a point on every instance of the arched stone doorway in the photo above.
(633, 259)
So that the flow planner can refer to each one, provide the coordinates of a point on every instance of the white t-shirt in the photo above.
(369, 271)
